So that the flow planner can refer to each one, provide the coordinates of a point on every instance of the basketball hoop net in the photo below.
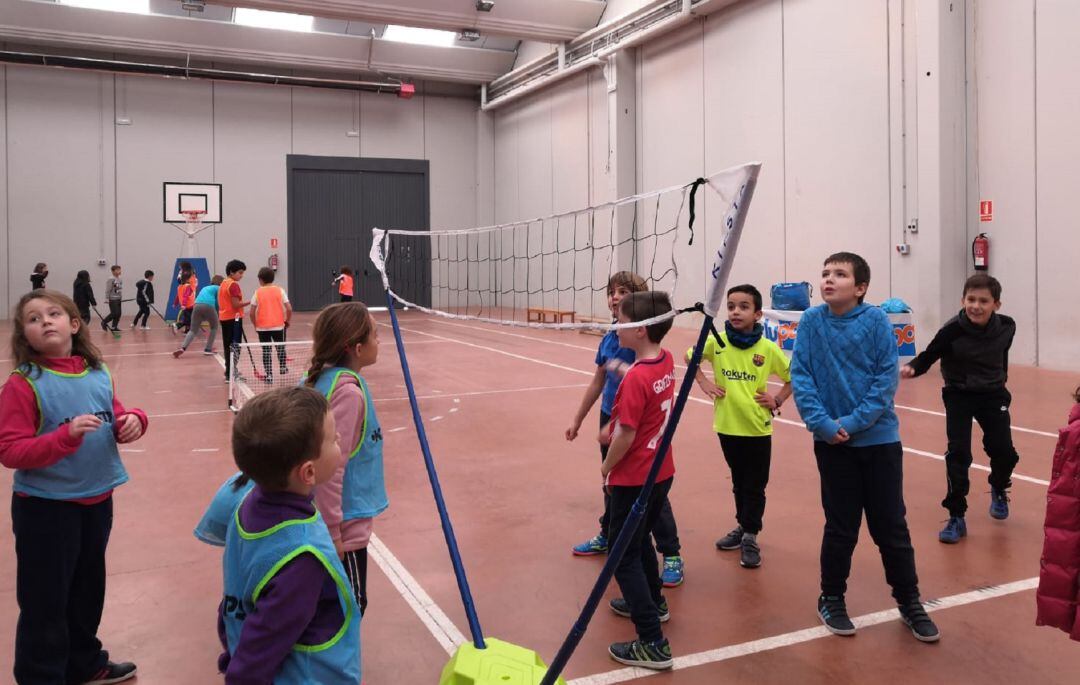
(194, 222)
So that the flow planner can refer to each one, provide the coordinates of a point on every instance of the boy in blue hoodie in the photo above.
(845, 372)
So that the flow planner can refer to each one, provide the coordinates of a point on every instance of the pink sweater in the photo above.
(347, 403)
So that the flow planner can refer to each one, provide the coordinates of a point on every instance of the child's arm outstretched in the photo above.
(938, 346)
(592, 393)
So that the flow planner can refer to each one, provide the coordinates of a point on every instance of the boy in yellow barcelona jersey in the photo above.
(742, 361)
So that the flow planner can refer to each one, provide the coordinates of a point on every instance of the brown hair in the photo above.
(642, 306)
(627, 279)
(1076, 394)
(346, 270)
(983, 282)
(39, 267)
(339, 327)
(218, 279)
(860, 270)
(80, 342)
(266, 275)
(277, 431)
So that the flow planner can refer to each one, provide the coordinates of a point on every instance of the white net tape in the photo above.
(258, 367)
(553, 271)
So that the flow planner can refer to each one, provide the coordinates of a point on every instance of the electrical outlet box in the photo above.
(101, 262)
(903, 249)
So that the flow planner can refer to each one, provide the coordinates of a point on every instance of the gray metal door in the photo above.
(334, 202)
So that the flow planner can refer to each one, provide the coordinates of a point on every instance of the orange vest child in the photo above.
(270, 313)
(226, 312)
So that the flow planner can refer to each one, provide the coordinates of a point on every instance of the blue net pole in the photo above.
(616, 551)
(436, 489)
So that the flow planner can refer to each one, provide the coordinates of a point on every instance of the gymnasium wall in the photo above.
(79, 187)
(1024, 105)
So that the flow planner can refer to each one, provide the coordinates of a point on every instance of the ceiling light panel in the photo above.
(273, 20)
(134, 6)
(411, 34)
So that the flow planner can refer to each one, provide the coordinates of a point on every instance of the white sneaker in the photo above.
(145, 328)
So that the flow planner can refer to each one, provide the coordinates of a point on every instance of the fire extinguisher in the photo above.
(980, 252)
(273, 262)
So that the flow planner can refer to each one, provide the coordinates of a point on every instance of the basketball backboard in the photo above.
(180, 197)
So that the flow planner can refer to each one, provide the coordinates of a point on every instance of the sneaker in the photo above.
(132, 326)
(177, 352)
(833, 613)
(115, 329)
(621, 608)
(268, 379)
(999, 504)
(751, 553)
(104, 326)
(591, 547)
(113, 673)
(914, 615)
(955, 529)
(673, 571)
(653, 655)
(732, 540)
(145, 328)
(284, 371)
(208, 352)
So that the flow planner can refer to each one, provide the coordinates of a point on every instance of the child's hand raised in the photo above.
(128, 428)
(81, 425)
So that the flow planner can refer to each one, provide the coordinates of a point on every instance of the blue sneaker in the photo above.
(673, 572)
(999, 504)
(955, 529)
(591, 547)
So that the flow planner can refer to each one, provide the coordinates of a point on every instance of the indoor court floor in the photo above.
(496, 401)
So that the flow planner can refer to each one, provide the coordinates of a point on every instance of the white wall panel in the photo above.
(1057, 239)
(321, 120)
(170, 138)
(251, 140)
(60, 165)
(451, 136)
(391, 127)
(1005, 155)
(837, 136)
(744, 122)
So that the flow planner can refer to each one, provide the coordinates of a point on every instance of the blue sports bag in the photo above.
(791, 297)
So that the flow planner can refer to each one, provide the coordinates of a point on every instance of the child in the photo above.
(742, 361)
(62, 422)
(638, 418)
(973, 347)
(1056, 598)
(271, 313)
(83, 295)
(282, 617)
(37, 279)
(231, 312)
(185, 300)
(205, 310)
(114, 293)
(612, 362)
(144, 297)
(844, 371)
(345, 284)
(345, 342)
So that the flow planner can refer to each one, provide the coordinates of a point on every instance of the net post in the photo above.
(433, 476)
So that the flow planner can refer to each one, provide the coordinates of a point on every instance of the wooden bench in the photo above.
(542, 315)
(593, 319)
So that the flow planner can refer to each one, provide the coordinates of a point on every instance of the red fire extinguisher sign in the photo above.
(986, 210)
(273, 243)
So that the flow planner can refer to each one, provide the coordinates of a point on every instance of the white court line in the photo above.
(189, 413)
(129, 449)
(437, 622)
(713, 656)
(482, 392)
(206, 449)
(1020, 429)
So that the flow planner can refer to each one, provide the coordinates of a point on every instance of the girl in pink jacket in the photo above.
(1058, 597)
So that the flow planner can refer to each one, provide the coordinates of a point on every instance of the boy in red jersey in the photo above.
(642, 408)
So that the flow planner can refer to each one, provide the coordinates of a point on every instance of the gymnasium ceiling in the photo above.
(347, 38)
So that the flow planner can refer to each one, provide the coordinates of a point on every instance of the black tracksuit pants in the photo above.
(748, 457)
(865, 479)
(991, 410)
(60, 587)
(666, 533)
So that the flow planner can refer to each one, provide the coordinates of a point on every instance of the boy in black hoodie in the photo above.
(974, 350)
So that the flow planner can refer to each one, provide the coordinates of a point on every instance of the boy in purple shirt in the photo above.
(283, 617)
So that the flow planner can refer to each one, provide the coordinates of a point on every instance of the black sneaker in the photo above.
(104, 326)
(914, 615)
(751, 553)
(654, 655)
(732, 540)
(113, 673)
(620, 607)
(833, 613)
